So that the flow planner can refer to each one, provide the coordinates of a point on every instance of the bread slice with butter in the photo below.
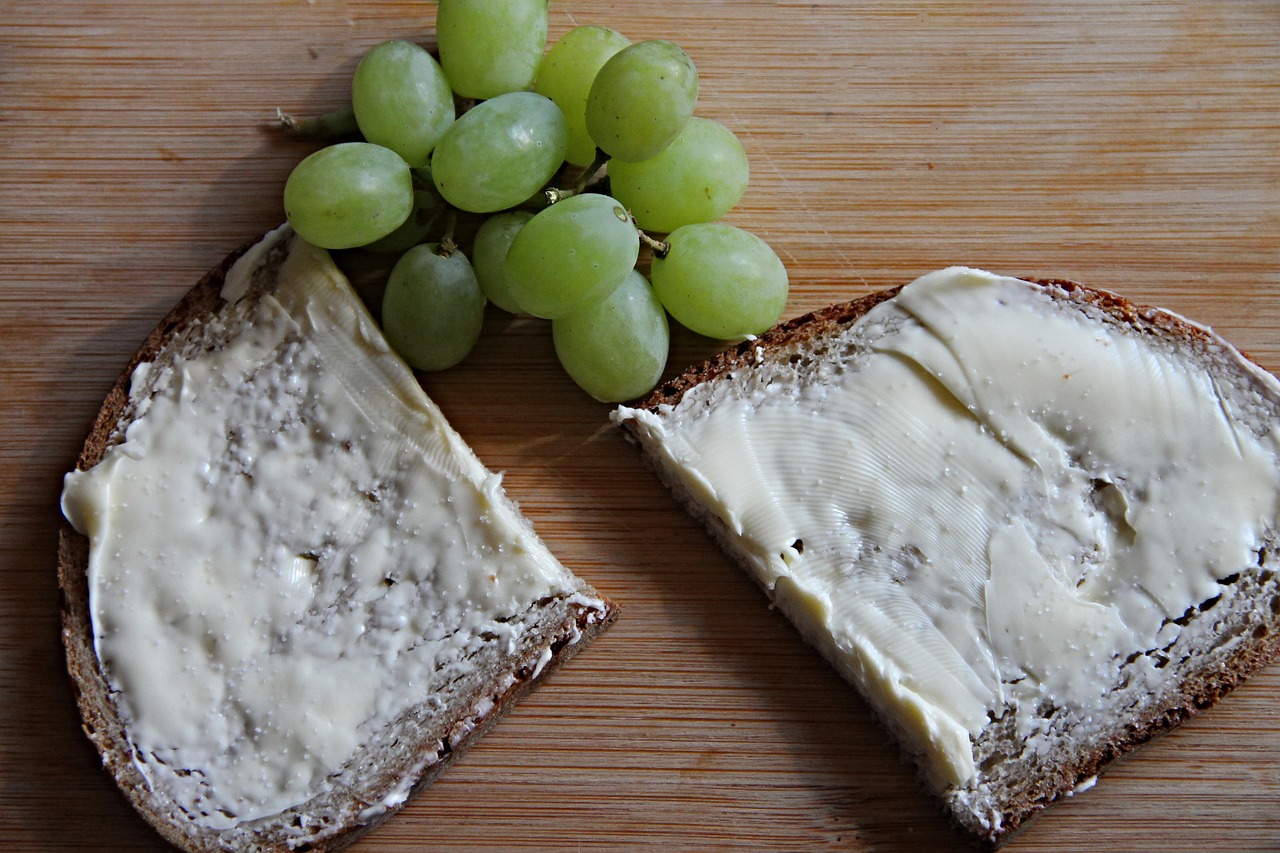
(292, 593)
(1034, 524)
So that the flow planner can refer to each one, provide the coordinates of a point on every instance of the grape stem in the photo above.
(334, 125)
(554, 195)
(660, 248)
(594, 169)
(448, 245)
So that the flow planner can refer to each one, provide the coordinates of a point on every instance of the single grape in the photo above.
(402, 100)
(641, 99)
(500, 152)
(566, 74)
(697, 178)
(720, 281)
(427, 208)
(615, 349)
(489, 255)
(571, 254)
(432, 309)
(348, 194)
(491, 47)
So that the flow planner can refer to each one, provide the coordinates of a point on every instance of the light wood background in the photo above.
(1134, 146)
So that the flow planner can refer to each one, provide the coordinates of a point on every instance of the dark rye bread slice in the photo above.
(402, 759)
(1231, 636)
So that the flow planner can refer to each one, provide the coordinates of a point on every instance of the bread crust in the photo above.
(1217, 677)
(798, 330)
(824, 322)
(574, 625)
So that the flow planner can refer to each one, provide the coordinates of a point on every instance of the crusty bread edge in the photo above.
(822, 321)
(1244, 660)
(100, 719)
(744, 354)
(89, 685)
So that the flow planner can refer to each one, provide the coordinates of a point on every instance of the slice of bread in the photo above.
(1033, 523)
(293, 702)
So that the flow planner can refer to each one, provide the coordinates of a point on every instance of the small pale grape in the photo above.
(433, 309)
(348, 195)
(572, 254)
(720, 281)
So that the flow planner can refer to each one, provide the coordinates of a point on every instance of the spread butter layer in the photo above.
(289, 548)
(991, 500)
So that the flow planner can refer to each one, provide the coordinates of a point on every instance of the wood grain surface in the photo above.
(1133, 146)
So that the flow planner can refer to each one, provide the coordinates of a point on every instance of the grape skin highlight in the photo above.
(432, 310)
(641, 99)
(697, 178)
(721, 281)
(566, 74)
(500, 152)
(402, 100)
(491, 47)
(349, 194)
(616, 349)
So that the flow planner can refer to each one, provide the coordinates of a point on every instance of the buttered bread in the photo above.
(1032, 523)
(294, 592)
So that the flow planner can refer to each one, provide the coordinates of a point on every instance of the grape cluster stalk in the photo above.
(570, 158)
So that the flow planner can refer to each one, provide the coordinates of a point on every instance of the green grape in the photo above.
(720, 281)
(641, 99)
(697, 178)
(571, 254)
(427, 207)
(500, 152)
(615, 349)
(489, 255)
(565, 77)
(349, 194)
(491, 47)
(402, 100)
(432, 309)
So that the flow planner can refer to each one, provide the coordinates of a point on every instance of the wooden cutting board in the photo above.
(1134, 146)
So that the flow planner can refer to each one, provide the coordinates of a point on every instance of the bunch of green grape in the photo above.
(568, 161)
